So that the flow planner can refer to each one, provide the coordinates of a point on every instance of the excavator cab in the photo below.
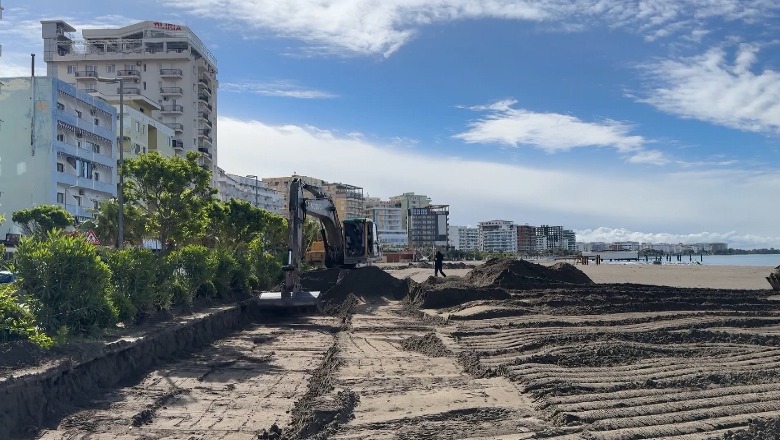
(361, 244)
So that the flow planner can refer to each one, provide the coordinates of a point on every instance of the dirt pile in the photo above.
(319, 280)
(368, 284)
(428, 344)
(439, 293)
(521, 274)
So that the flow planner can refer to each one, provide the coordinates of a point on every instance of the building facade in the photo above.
(428, 226)
(249, 189)
(162, 63)
(526, 239)
(143, 134)
(388, 217)
(349, 199)
(58, 148)
(464, 238)
(409, 201)
(498, 236)
(282, 186)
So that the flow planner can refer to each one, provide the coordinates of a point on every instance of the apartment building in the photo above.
(428, 226)
(498, 236)
(464, 238)
(408, 201)
(163, 64)
(388, 217)
(282, 186)
(58, 147)
(143, 134)
(526, 239)
(349, 199)
(249, 189)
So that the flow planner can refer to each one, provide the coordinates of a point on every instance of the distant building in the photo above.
(408, 201)
(349, 199)
(248, 189)
(388, 218)
(428, 226)
(69, 158)
(553, 237)
(282, 186)
(526, 239)
(498, 236)
(464, 238)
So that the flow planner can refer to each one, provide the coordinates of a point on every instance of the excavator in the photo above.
(348, 244)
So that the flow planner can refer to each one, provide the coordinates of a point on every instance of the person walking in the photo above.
(438, 261)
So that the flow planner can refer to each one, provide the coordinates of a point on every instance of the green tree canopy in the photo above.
(106, 227)
(42, 219)
(171, 193)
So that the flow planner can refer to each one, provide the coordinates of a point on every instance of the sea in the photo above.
(771, 260)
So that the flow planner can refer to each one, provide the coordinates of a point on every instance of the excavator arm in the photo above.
(321, 207)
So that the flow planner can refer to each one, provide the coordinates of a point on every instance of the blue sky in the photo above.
(646, 120)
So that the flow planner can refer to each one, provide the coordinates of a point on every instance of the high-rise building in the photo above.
(428, 226)
(282, 186)
(526, 241)
(464, 238)
(498, 236)
(349, 199)
(409, 201)
(164, 65)
(388, 217)
(58, 148)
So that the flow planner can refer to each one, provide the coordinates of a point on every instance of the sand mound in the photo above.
(369, 284)
(429, 344)
(439, 293)
(319, 280)
(521, 274)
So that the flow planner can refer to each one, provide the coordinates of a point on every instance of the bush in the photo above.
(265, 266)
(66, 283)
(135, 280)
(193, 268)
(16, 322)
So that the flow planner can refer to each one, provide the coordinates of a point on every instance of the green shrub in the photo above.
(266, 268)
(225, 273)
(193, 268)
(16, 322)
(66, 283)
(135, 276)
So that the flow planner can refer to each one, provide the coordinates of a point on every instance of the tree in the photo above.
(171, 193)
(42, 219)
(106, 227)
(235, 223)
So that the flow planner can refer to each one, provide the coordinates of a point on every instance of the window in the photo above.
(95, 204)
(78, 200)
(96, 148)
(97, 121)
(71, 69)
(78, 113)
(60, 197)
(78, 144)
(111, 68)
(137, 126)
(129, 67)
(61, 167)
(60, 106)
(144, 81)
(92, 69)
(144, 71)
(97, 177)
(61, 137)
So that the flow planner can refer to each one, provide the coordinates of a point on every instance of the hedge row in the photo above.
(67, 286)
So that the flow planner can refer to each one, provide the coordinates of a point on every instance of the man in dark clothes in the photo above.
(438, 260)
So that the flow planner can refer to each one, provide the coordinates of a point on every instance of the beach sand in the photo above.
(674, 275)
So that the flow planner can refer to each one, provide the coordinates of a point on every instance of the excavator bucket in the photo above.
(301, 301)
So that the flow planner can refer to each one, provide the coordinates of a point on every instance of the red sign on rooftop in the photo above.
(167, 26)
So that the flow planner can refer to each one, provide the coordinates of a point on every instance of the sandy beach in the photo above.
(674, 275)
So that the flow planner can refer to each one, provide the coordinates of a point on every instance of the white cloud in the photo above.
(381, 27)
(712, 88)
(722, 200)
(552, 132)
(283, 89)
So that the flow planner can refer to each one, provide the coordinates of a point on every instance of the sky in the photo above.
(642, 120)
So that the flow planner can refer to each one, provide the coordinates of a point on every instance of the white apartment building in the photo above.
(163, 64)
(388, 217)
(498, 236)
(143, 134)
(58, 148)
(250, 189)
(408, 201)
(464, 238)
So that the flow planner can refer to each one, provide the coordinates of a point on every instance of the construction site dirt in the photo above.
(508, 350)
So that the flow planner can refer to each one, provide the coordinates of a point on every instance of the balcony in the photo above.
(205, 151)
(174, 109)
(86, 74)
(203, 97)
(171, 73)
(178, 145)
(203, 80)
(204, 115)
(132, 73)
(176, 126)
(204, 89)
(171, 91)
(206, 139)
(130, 91)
